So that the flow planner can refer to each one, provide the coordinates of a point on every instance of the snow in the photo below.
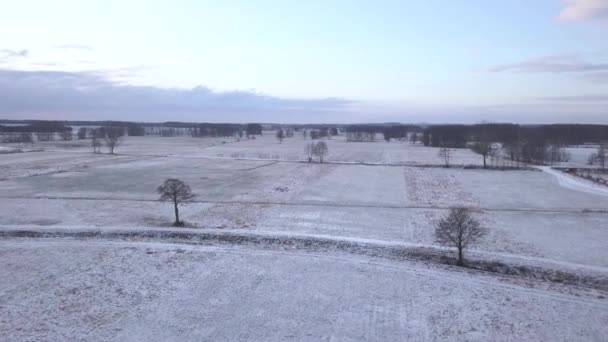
(380, 194)
(106, 291)
(579, 156)
(576, 183)
(267, 147)
(527, 212)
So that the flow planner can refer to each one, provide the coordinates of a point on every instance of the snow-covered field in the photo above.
(579, 156)
(393, 192)
(160, 292)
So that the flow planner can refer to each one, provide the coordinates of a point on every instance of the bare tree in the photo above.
(445, 154)
(176, 191)
(458, 229)
(113, 137)
(483, 148)
(592, 158)
(95, 140)
(309, 149)
(66, 135)
(557, 153)
(387, 136)
(414, 138)
(82, 133)
(602, 155)
(280, 136)
(321, 150)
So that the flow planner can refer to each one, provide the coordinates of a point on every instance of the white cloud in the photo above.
(556, 64)
(8, 53)
(74, 47)
(582, 10)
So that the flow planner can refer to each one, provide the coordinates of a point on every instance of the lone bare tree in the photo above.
(176, 191)
(483, 148)
(309, 149)
(280, 136)
(458, 229)
(113, 137)
(321, 150)
(445, 153)
(95, 142)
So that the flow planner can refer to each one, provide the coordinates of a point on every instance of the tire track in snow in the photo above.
(572, 183)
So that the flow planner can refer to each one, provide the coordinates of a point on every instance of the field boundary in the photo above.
(457, 166)
(587, 278)
(337, 205)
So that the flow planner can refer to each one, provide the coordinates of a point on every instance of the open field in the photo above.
(527, 212)
(386, 192)
(158, 292)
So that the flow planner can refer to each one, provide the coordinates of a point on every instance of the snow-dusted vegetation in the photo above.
(339, 250)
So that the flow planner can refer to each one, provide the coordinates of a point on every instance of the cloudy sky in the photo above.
(529, 61)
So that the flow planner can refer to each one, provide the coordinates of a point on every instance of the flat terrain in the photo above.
(387, 192)
(528, 212)
(150, 292)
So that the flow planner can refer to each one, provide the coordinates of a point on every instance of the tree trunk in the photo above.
(484, 161)
(460, 258)
(176, 213)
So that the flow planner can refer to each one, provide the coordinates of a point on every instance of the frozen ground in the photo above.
(579, 156)
(576, 183)
(105, 291)
(267, 147)
(376, 191)
(531, 213)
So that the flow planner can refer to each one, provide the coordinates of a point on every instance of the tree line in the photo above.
(537, 144)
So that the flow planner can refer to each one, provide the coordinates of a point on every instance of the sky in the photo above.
(316, 61)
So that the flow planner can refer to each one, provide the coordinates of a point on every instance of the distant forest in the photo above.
(453, 136)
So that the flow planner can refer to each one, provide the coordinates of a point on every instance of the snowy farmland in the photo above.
(373, 194)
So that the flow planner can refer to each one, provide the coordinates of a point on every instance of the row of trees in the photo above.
(514, 155)
(42, 130)
(314, 134)
(206, 130)
(361, 133)
(110, 136)
(399, 132)
(520, 144)
(457, 136)
(600, 157)
(28, 137)
(53, 130)
(37, 127)
(318, 149)
(320, 133)
(367, 133)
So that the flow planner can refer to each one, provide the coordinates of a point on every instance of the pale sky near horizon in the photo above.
(306, 61)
